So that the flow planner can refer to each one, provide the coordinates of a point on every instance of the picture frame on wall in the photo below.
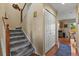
(65, 25)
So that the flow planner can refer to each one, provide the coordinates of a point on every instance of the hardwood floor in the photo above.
(34, 54)
(54, 49)
(0, 52)
(64, 41)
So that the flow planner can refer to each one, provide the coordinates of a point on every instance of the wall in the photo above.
(2, 35)
(33, 26)
(2, 10)
(77, 21)
(26, 25)
(50, 27)
(13, 15)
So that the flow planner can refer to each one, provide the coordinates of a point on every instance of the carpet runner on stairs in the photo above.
(19, 44)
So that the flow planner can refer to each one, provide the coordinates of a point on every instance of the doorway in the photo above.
(66, 16)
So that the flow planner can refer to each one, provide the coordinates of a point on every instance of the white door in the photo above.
(50, 30)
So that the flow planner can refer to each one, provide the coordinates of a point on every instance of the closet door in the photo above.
(50, 37)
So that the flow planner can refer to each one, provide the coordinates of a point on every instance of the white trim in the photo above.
(3, 38)
(30, 41)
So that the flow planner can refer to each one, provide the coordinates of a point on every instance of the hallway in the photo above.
(64, 48)
(57, 29)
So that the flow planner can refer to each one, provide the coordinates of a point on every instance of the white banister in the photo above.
(3, 38)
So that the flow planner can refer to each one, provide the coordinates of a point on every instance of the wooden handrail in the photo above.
(22, 12)
(7, 40)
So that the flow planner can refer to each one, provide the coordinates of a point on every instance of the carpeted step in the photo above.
(15, 30)
(29, 52)
(19, 51)
(16, 34)
(26, 52)
(17, 41)
(19, 28)
(23, 51)
(18, 46)
(17, 37)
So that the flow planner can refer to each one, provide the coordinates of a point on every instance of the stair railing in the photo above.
(22, 12)
(7, 37)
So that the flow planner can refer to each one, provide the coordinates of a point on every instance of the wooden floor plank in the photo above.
(54, 49)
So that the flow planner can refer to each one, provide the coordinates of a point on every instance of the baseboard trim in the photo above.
(53, 50)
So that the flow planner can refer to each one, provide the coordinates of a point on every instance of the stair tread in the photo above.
(16, 47)
(25, 52)
(19, 51)
(18, 41)
(22, 51)
(16, 36)
(29, 52)
(15, 32)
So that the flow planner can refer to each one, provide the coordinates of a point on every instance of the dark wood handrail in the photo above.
(7, 40)
(7, 34)
(22, 12)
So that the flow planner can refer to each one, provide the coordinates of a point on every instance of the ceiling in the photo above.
(65, 11)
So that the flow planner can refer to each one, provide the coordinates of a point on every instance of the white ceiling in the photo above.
(65, 11)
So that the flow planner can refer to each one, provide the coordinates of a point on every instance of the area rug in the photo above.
(64, 50)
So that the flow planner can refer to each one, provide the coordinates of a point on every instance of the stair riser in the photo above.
(17, 34)
(12, 40)
(17, 38)
(15, 30)
(19, 41)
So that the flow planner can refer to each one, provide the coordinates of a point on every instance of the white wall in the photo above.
(2, 10)
(2, 31)
(77, 22)
(13, 15)
(33, 26)
(2, 38)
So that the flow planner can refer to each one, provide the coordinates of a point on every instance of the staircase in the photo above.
(19, 44)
